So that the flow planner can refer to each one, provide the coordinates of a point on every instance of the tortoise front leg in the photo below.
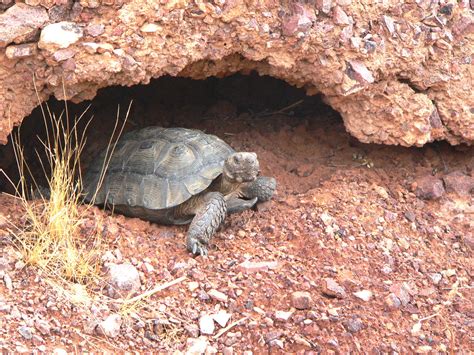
(209, 212)
(235, 205)
(262, 188)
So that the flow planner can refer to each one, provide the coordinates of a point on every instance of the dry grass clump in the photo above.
(52, 237)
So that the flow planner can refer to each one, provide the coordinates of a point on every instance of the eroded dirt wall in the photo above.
(398, 72)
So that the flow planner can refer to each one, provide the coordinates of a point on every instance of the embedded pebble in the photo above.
(110, 327)
(59, 35)
(221, 318)
(124, 280)
(331, 288)
(283, 316)
(364, 295)
(25, 332)
(217, 295)
(301, 299)
(206, 325)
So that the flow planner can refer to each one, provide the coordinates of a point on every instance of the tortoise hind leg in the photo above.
(209, 212)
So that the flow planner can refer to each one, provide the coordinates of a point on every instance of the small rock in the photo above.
(270, 336)
(324, 5)
(449, 272)
(196, 346)
(301, 341)
(8, 282)
(149, 28)
(250, 267)
(358, 71)
(15, 312)
(59, 351)
(20, 23)
(364, 295)
(59, 35)
(468, 242)
(124, 280)
(390, 23)
(283, 316)
(332, 289)
(21, 50)
(301, 300)
(37, 340)
(228, 350)
(211, 350)
(5, 307)
(221, 318)
(327, 219)
(110, 327)
(203, 296)
(402, 292)
(353, 325)
(459, 183)
(58, 13)
(410, 216)
(193, 286)
(69, 64)
(340, 17)
(424, 349)
(42, 326)
(192, 330)
(95, 30)
(206, 325)
(381, 191)
(259, 311)
(217, 295)
(25, 332)
(63, 54)
(392, 301)
(436, 278)
(147, 268)
(277, 342)
(429, 188)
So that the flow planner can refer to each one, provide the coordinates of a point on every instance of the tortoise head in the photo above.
(241, 167)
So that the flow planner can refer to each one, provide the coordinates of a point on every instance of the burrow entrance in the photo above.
(299, 139)
(235, 108)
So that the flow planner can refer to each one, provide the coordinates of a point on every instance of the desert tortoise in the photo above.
(177, 176)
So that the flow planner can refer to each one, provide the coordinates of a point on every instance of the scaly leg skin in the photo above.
(235, 205)
(209, 214)
(262, 188)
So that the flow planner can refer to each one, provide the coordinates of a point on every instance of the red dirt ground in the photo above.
(332, 217)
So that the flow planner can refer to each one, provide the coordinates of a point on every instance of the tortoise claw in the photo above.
(198, 248)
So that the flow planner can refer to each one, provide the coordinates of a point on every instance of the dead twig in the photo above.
(230, 326)
(282, 110)
(155, 290)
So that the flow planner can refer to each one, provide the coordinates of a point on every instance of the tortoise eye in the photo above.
(237, 159)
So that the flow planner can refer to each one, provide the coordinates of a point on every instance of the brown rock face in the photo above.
(397, 73)
(429, 188)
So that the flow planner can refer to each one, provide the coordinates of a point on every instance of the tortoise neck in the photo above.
(226, 186)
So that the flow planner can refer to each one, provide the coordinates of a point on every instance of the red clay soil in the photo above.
(345, 219)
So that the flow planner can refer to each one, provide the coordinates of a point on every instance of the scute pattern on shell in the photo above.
(157, 168)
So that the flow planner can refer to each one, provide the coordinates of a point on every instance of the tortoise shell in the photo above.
(156, 168)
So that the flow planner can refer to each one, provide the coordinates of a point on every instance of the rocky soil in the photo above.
(398, 72)
(365, 248)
